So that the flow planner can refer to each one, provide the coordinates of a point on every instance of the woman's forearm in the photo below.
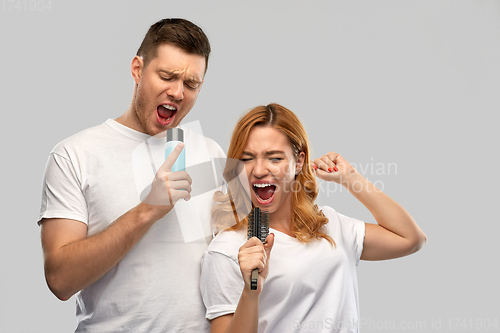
(246, 316)
(253, 254)
(386, 211)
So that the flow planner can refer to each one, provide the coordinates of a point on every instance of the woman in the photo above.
(307, 276)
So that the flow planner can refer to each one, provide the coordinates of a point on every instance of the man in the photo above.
(107, 237)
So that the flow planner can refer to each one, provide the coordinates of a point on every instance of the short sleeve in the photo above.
(221, 284)
(353, 234)
(62, 195)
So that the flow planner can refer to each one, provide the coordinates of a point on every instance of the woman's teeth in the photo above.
(263, 185)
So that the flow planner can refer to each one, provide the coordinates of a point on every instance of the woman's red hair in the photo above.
(307, 220)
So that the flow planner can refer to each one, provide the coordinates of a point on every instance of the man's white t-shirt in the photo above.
(99, 174)
(311, 287)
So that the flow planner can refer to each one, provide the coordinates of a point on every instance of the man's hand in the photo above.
(168, 186)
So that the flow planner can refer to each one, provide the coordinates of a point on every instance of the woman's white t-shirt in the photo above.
(311, 287)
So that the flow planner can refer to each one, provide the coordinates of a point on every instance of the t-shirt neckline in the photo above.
(274, 231)
(133, 134)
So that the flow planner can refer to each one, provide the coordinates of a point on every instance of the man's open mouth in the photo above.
(165, 113)
(264, 191)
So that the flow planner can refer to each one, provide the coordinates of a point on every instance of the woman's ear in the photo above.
(136, 68)
(300, 162)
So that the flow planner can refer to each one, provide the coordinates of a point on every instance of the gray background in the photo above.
(411, 84)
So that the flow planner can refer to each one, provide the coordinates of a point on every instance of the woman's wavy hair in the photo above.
(308, 221)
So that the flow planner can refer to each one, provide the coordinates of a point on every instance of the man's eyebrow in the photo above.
(194, 80)
(166, 71)
(176, 74)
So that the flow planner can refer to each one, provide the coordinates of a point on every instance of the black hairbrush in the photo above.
(258, 226)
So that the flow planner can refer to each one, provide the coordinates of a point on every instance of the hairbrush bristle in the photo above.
(258, 224)
(264, 226)
(250, 225)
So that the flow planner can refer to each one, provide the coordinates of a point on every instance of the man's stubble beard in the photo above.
(138, 108)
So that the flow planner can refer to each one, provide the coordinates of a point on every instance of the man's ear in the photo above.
(136, 68)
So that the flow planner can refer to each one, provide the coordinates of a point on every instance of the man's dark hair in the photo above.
(178, 32)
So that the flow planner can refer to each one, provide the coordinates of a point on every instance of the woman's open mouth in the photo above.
(165, 114)
(264, 192)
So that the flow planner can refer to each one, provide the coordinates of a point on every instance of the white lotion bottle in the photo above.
(174, 137)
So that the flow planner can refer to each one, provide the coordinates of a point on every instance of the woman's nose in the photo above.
(260, 169)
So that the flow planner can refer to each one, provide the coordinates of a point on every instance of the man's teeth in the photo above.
(169, 107)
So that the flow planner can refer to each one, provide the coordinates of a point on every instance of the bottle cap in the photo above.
(175, 134)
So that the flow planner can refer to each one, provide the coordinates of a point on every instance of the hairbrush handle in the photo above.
(254, 279)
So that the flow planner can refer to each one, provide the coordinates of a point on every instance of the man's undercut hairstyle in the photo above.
(178, 32)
